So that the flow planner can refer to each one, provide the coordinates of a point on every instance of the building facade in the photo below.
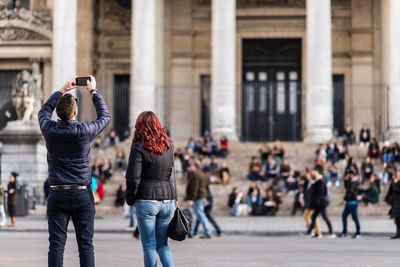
(253, 70)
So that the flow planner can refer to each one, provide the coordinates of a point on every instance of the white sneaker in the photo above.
(332, 236)
(329, 184)
(337, 183)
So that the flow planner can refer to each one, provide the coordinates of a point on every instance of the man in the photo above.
(196, 194)
(393, 199)
(308, 211)
(319, 202)
(68, 156)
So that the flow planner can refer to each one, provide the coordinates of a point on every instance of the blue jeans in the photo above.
(201, 217)
(350, 209)
(62, 205)
(153, 219)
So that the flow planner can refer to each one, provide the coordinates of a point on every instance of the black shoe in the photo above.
(342, 235)
(356, 236)
(395, 237)
(219, 234)
(205, 237)
(136, 233)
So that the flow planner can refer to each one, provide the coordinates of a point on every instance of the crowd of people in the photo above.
(311, 186)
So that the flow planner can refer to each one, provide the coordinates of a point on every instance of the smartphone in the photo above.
(82, 80)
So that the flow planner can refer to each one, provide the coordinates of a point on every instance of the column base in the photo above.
(318, 135)
(229, 133)
(393, 134)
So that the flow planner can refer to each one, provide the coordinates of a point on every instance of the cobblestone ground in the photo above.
(20, 249)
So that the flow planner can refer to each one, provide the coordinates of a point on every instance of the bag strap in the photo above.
(173, 172)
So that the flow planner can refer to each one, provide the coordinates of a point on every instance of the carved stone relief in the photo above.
(21, 24)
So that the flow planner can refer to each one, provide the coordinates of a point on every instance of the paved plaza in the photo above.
(247, 242)
(29, 249)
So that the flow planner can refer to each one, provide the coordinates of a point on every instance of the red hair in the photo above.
(150, 132)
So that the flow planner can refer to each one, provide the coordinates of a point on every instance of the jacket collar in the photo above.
(65, 123)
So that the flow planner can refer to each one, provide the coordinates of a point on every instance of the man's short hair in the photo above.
(65, 107)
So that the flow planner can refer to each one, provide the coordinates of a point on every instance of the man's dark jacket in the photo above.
(68, 142)
(150, 176)
(198, 186)
(318, 195)
(393, 199)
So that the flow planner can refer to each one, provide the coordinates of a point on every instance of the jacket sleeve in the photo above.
(103, 117)
(46, 111)
(133, 175)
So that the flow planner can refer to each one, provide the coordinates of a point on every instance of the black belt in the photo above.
(68, 187)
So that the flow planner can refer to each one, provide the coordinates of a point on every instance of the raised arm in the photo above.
(47, 109)
(103, 117)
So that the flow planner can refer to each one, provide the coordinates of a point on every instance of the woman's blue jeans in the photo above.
(153, 219)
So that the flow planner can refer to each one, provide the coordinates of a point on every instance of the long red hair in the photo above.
(150, 132)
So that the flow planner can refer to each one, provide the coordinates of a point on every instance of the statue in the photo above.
(26, 94)
(38, 93)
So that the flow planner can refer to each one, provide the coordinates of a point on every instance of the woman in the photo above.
(2, 212)
(151, 187)
(351, 184)
(12, 190)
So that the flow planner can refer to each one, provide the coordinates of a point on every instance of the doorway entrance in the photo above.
(121, 105)
(271, 90)
(338, 104)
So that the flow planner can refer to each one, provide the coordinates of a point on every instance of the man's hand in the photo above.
(68, 86)
(91, 85)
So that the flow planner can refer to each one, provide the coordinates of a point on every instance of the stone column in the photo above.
(146, 57)
(391, 64)
(84, 67)
(64, 41)
(223, 68)
(319, 102)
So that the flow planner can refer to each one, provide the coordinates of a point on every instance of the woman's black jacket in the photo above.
(150, 176)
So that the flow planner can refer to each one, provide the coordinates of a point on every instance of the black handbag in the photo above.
(178, 228)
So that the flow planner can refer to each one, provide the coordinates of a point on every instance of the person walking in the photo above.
(151, 187)
(393, 199)
(351, 184)
(308, 211)
(208, 212)
(12, 198)
(196, 195)
(319, 202)
(68, 157)
(3, 217)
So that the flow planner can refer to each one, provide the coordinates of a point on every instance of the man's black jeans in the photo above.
(61, 206)
(316, 212)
